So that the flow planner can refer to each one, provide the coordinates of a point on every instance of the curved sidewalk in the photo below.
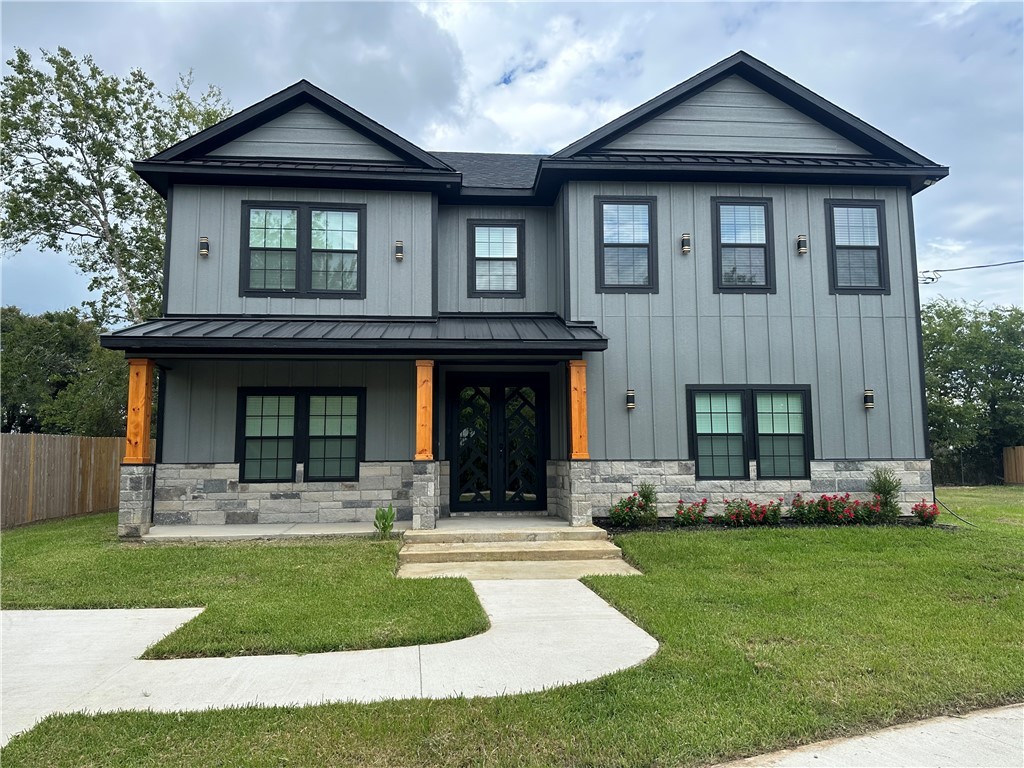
(543, 634)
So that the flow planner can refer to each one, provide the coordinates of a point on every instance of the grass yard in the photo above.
(260, 597)
(769, 637)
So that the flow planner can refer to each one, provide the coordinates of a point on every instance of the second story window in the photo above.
(303, 250)
(496, 258)
(744, 261)
(857, 261)
(626, 256)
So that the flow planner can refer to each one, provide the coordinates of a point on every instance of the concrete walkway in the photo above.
(543, 634)
(990, 738)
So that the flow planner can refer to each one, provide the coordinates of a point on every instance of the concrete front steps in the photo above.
(487, 548)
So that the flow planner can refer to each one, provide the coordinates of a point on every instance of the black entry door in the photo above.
(497, 436)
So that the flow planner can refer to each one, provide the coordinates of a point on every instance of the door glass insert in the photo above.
(522, 473)
(473, 443)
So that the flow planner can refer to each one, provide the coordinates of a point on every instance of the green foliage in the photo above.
(925, 512)
(57, 378)
(69, 135)
(649, 494)
(629, 512)
(837, 510)
(691, 514)
(742, 513)
(974, 377)
(887, 487)
(384, 521)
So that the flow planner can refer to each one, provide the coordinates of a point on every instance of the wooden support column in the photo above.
(140, 406)
(578, 410)
(424, 410)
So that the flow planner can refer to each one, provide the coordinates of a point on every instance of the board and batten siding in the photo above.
(306, 133)
(211, 285)
(734, 116)
(201, 400)
(687, 334)
(542, 276)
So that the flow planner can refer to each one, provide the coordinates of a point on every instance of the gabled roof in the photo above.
(302, 92)
(773, 82)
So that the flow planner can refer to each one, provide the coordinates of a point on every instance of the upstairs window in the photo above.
(496, 259)
(743, 255)
(626, 258)
(857, 259)
(313, 250)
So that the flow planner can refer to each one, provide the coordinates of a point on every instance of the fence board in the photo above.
(1013, 465)
(45, 477)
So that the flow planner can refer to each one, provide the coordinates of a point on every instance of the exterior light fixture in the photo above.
(685, 242)
(630, 399)
(801, 245)
(869, 398)
(399, 250)
(204, 247)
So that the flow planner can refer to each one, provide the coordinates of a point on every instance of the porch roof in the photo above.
(465, 335)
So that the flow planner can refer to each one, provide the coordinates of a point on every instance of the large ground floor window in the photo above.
(283, 427)
(729, 426)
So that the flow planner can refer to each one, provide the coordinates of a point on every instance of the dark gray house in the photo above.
(715, 292)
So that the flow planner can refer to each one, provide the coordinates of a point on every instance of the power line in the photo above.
(929, 276)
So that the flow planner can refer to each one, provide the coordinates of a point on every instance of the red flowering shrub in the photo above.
(691, 514)
(743, 513)
(629, 512)
(925, 512)
(835, 510)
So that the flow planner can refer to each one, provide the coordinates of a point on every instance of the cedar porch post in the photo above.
(578, 410)
(424, 410)
(140, 395)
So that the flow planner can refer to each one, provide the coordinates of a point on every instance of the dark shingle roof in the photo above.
(492, 170)
(510, 335)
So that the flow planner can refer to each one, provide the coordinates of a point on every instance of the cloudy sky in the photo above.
(945, 78)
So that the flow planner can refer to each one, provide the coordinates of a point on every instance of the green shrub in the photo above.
(630, 512)
(691, 514)
(743, 513)
(925, 512)
(384, 521)
(887, 487)
(647, 492)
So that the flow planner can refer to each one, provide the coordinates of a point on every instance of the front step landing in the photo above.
(476, 551)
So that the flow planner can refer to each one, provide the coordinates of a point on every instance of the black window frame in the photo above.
(748, 394)
(652, 245)
(303, 250)
(769, 245)
(520, 226)
(301, 437)
(884, 288)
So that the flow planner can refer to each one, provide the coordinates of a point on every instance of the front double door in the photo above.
(496, 441)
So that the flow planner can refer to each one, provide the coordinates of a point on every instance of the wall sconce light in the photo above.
(204, 247)
(685, 242)
(399, 250)
(801, 245)
(869, 398)
(630, 399)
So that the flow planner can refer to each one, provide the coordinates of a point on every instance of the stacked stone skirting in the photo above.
(135, 500)
(596, 485)
(211, 494)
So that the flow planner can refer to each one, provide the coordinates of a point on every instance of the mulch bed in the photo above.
(668, 524)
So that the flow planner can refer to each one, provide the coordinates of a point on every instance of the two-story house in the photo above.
(715, 293)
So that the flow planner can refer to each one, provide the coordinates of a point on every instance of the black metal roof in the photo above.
(509, 335)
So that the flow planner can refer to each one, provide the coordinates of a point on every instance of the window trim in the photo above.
(652, 245)
(520, 226)
(749, 393)
(769, 245)
(303, 250)
(300, 438)
(884, 287)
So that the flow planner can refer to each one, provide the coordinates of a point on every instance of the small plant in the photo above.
(384, 521)
(649, 495)
(887, 487)
(691, 514)
(742, 513)
(629, 512)
(925, 512)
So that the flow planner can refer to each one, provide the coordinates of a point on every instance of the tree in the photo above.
(69, 135)
(974, 377)
(57, 378)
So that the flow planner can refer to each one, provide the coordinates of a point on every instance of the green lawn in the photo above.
(769, 637)
(260, 597)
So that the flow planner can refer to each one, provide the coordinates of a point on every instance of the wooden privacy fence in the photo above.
(45, 477)
(1013, 465)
